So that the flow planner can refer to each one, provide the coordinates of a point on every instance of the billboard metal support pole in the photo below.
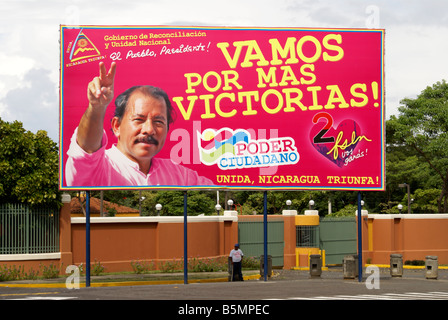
(265, 232)
(87, 238)
(185, 240)
(359, 238)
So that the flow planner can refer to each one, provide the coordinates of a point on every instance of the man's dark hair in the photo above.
(122, 100)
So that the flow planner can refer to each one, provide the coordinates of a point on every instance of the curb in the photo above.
(405, 266)
(121, 283)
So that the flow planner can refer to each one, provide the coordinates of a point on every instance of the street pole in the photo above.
(87, 238)
(265, 232)
(359, 238)
(185, 240)
(409, 198)
(408, 189)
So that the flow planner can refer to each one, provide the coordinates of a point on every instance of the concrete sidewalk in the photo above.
(110, 280)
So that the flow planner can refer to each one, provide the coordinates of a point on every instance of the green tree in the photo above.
(252, 202)
(28, 166)
(198, 202)
(425, 201)
(422, 124)
(349, 210)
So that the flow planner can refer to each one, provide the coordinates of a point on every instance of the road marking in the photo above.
(26, 294)
(386, 296)
(33, 296)
(43, 298)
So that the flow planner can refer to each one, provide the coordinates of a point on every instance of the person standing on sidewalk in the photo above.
(237, 256)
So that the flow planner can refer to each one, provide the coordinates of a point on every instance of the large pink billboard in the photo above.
(215, 107)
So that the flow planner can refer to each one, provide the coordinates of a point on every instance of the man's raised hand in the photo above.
(100, 90)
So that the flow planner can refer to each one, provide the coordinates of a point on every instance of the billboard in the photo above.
(217, 107)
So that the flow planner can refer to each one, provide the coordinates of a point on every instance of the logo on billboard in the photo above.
(229, 149)
(83, 48)
(337, 144)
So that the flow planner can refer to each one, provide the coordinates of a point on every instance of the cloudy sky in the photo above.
(416, 39)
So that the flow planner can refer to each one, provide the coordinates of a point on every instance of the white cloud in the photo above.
(415, 59)
(34, 103)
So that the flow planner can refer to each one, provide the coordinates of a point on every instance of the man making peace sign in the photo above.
(140, 124)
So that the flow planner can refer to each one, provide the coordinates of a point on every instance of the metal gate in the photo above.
(26, 230)
(338, 238)
(251, 238)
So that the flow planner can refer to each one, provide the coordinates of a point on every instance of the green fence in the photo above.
(251, 238)
(338, 237)
(25, 230)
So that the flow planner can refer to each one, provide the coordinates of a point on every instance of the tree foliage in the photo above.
(198, 202)
(28, 166)
(422, 125)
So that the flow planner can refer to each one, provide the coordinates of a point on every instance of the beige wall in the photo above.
(415, 236)
(116, 241)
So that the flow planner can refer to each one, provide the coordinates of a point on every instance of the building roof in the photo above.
(95, 206)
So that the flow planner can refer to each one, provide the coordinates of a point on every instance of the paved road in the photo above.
(285, 285)
(287, 292)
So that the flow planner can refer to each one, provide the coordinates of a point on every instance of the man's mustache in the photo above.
(147, 139)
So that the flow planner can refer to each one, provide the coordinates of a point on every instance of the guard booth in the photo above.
(332, 238)
(307, 238)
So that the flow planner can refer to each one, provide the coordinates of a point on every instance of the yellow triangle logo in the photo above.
(83, 48)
